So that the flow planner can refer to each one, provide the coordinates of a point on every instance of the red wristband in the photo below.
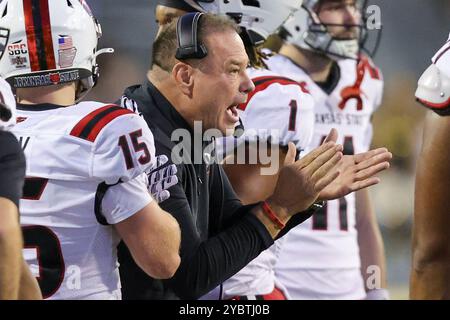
(272, 216)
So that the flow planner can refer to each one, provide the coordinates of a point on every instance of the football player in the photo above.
(430, 270)
(16, 280)
(86, 184)
(341, 249)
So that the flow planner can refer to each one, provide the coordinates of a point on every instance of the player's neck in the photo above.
(63, 95)
(317, 66)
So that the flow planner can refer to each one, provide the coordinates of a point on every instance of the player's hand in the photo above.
(162, 178)
(357, 172)
(300, 182)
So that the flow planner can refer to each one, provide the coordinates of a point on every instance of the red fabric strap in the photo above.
(272, 216)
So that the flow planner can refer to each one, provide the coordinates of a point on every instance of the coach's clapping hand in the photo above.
(301, 182)
(357, 172)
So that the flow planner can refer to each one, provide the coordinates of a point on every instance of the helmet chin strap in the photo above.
(88, 83)
(334, 48)
(344, 49)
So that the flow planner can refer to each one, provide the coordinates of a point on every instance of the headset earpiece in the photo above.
(187, 35)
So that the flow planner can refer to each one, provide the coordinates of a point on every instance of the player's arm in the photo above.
(10, 250)
(430, 272)
(244, 177)
(29, 287)
(371, 247)
(13, 268)
(283, 112)
(153, 238)
(125, 152)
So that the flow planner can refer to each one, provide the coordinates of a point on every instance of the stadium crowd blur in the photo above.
(412, 32)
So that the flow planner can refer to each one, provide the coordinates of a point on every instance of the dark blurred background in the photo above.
(413, 30)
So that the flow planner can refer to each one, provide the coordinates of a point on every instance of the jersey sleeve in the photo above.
(379, 92)
(282, 110)
(123, 150)
(125, 199)
(377, 81)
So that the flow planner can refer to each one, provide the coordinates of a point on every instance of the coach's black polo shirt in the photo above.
(219, 236)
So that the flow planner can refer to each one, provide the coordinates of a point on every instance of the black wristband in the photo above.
(300, 217)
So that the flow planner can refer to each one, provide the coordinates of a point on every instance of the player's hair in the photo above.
(165, 45)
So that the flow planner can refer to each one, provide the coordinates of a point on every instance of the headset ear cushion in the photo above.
(187, 38)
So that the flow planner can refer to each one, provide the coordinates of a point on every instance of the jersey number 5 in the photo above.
(42, 244)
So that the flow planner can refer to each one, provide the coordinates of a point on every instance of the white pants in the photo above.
(324, 284)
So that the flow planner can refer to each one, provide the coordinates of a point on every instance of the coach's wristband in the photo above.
(377, 294)
(272, 216)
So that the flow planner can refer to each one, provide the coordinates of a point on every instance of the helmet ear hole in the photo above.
(5, 12)
(69, 3)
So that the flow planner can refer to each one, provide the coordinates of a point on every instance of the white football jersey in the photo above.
(282, 108)
(328, 240)
(8, 101)
(86, 167)
(279, 109)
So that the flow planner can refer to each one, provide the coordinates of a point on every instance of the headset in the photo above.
(187, 36)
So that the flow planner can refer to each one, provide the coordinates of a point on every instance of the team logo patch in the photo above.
(66, 51)
(55, 78)
(18, 54)
(19, 62)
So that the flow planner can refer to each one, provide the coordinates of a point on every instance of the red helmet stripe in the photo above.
(47, 34)
(31, 35)
(39, 35)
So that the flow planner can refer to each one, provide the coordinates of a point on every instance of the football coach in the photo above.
(203, 82)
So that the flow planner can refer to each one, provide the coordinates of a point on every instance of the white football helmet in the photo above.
(433, 88)
(305, 30)
(50, 42)
(259, 18)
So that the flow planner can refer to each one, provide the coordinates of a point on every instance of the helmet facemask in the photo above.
(257, 19)
(4, 37)
(318, 36)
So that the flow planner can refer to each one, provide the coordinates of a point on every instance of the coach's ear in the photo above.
(184, 78)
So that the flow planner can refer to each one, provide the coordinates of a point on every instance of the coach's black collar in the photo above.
(166, 109)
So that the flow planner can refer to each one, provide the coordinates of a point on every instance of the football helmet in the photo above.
(305, 30)
(433, 88)
(257, 18)
(50, 42)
